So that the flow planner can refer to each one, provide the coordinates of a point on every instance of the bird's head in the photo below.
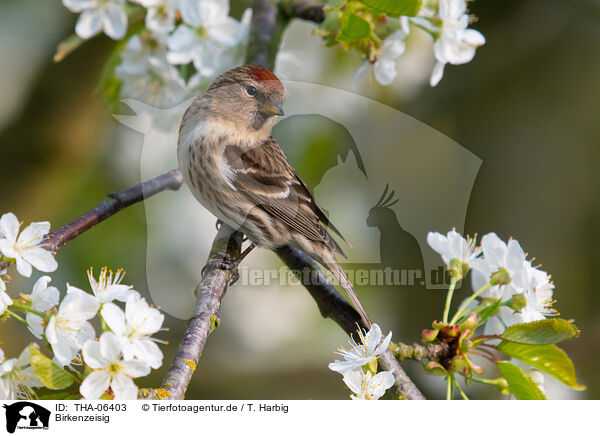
(249, 97)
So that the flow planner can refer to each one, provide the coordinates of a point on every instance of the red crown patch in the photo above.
(261, 74)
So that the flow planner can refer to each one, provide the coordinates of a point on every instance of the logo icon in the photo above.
(26, 415)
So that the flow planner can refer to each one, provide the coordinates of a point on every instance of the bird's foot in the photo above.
(223, 261)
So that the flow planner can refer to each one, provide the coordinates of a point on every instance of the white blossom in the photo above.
(454, 247)
(99, 15)
(5, 299)
(110, 369)
(498, 255)
(68, 330)
(24, 247)
(533, 283)
(6, 366)
(2, 282)
(455, 43)
(384, 66)
(208, 31)
(538, 297)
(362, 353)
(160, 18)
(134, 328)
(17, 377)
(367, 386)
(43, 297)
(108, 287)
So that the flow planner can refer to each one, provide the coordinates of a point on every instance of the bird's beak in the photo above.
(272, 109)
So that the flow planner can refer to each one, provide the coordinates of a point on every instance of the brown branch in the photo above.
(210, 292)
(332, 305)
(419, 352)
(310, 10)
(266, 29)
(117, 201)
(330, 302)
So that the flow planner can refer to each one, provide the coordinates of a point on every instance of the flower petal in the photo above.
(354, 380)
(494, 250)
(35, 324)
(92, 355)
(9, 226)
(33, 233)
(380, 382)
(123, 387)
(114, 20)
(89, 23)
(135, 368)
(148, 351)
(114, 317)
(372, 338)
(385, 71)
(79, 304)
(437, 73)
(110, 346)
(382, 348)
(41, 259)
(343, 366)
(94, 385)
(23, 267)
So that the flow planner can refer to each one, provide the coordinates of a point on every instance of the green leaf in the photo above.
(547, 331)
(520, 384)
(489, 310)
(354, 28)
(395, 8)
(547, 358)
(109, 84)
(53, 376)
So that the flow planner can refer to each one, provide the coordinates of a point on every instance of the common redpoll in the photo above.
(235, 169)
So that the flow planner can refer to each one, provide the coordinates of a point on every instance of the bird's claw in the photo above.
(225, 262)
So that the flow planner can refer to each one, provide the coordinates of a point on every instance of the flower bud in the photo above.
(500, 277)
(458, 269)
(451, 331)
(463, 343)
(517, 302)
(469, 323)
(429, 335)
(435, 368)
(458, 363)
(502, 384)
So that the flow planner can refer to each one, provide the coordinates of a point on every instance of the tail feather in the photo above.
(341, 277)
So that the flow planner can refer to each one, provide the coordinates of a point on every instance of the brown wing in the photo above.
(264, 175)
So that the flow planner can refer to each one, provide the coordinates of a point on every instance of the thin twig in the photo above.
(171, 180)
(117, 201)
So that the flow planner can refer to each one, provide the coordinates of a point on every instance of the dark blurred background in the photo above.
(527, 105)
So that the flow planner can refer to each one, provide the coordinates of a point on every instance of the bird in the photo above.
(237, 170)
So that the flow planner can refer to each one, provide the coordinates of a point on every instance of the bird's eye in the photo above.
(251, 90)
